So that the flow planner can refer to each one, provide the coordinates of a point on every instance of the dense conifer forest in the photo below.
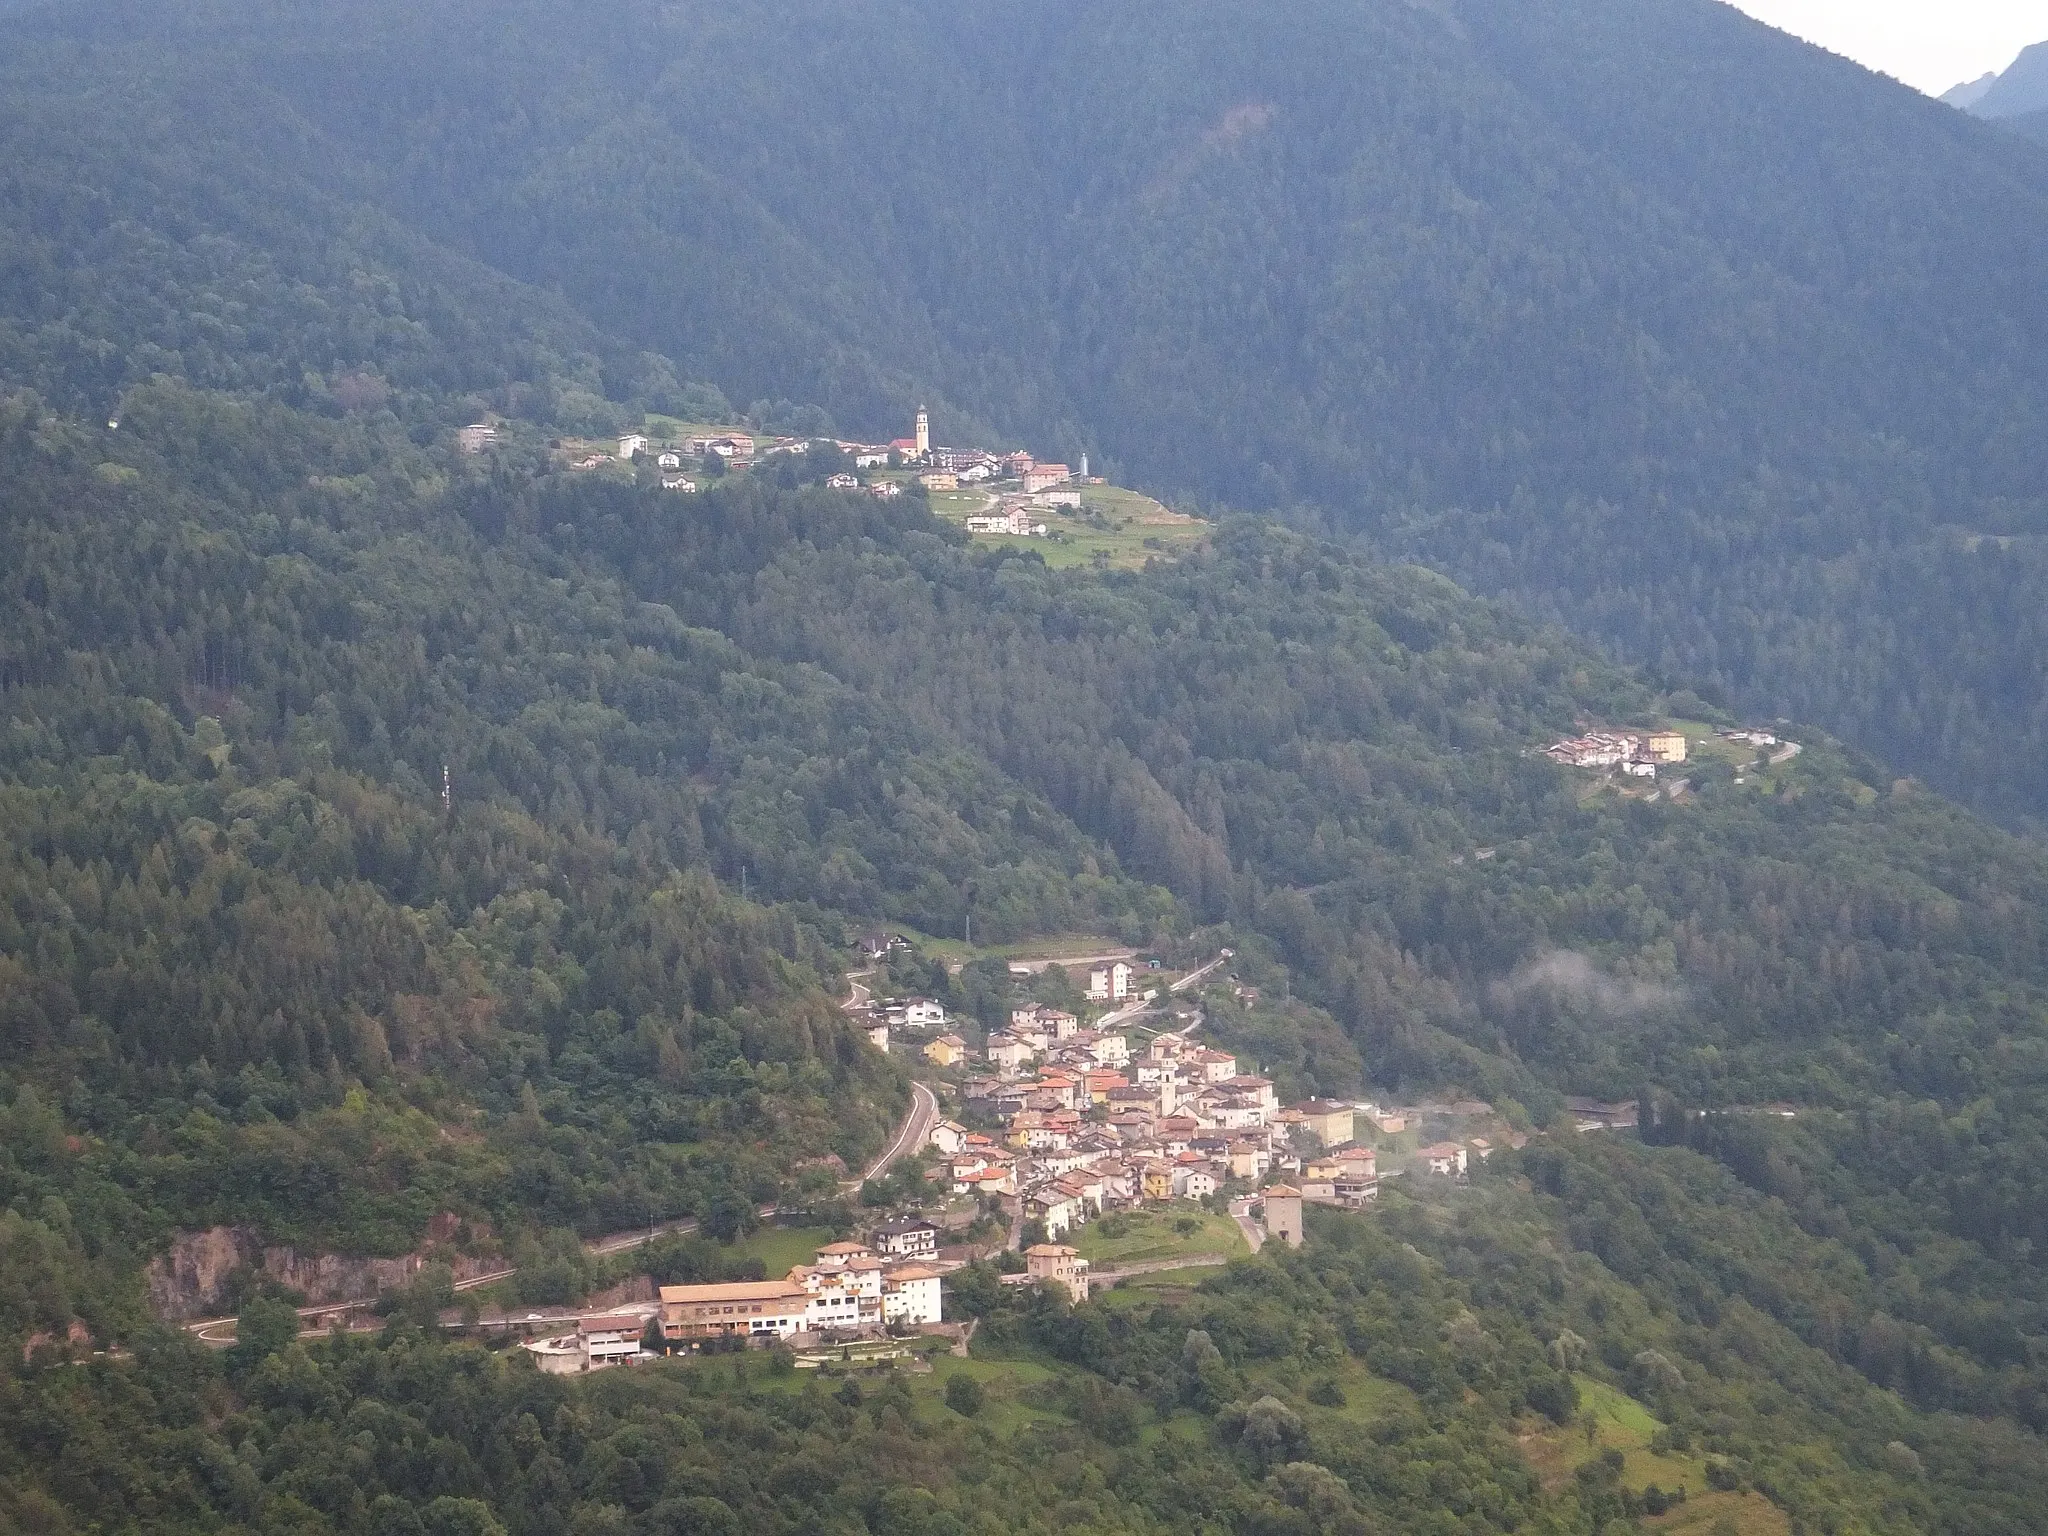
(1698, 340)
(389, 832)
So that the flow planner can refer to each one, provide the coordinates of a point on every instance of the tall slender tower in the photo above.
(924, 431)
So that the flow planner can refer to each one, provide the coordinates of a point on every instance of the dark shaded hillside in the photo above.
(1700, 340)
(2032, 125)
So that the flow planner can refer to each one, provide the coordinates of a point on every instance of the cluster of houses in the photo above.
(936, 468)
(1640, 754)
(1085, 1126)
(908, 1014)
(850, 1290)
(1637, 754)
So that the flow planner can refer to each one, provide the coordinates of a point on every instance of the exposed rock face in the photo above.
(193, 1279)
(625, 1293)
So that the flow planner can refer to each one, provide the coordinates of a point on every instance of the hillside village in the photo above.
(1059, 1122)
(1645, 756)
(686, 459)
(995, 494)
(1063, 1121)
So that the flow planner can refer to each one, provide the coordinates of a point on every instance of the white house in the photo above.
(911, 1296)
(914, 1238)
(845, 1296)
(1053, 1208)
(1446, 1159)
(1109, 983)
(923, 1013)
(1110, 1050)
(670, 461)
(631, 444)
(1007, 1054)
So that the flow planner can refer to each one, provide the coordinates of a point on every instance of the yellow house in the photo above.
(1158, 1183)
(946, 1051)
(1666, 746)
(940, 480)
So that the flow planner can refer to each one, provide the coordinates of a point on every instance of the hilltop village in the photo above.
(686, 462)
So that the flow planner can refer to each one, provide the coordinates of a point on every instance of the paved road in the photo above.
(1254, 1234)
(911, 1135)
(1194, 976)
(1131, 1010)
(859, 995)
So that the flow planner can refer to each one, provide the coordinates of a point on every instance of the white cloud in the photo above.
(1570, 974)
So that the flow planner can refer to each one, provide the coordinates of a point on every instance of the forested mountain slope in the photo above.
(1705, 342)
(254, 969)
(251, 970)
(243, 638)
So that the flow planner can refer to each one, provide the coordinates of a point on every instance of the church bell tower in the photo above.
(924, 432)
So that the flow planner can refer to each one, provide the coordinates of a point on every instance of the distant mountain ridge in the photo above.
(2020, 91)
(1970, 92)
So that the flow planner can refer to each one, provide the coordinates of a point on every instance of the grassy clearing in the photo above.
(1139, 1236)
(1609, 1418)
(1114, 527)
(1006, 1413)
(780, 1248)
(1367, 1398)
(1701, 1515)
(664, 430)
(959, 504)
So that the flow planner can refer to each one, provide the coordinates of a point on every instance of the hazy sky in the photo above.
(1931, 44)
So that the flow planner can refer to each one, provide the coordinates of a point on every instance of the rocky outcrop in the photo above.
(197, 1276)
